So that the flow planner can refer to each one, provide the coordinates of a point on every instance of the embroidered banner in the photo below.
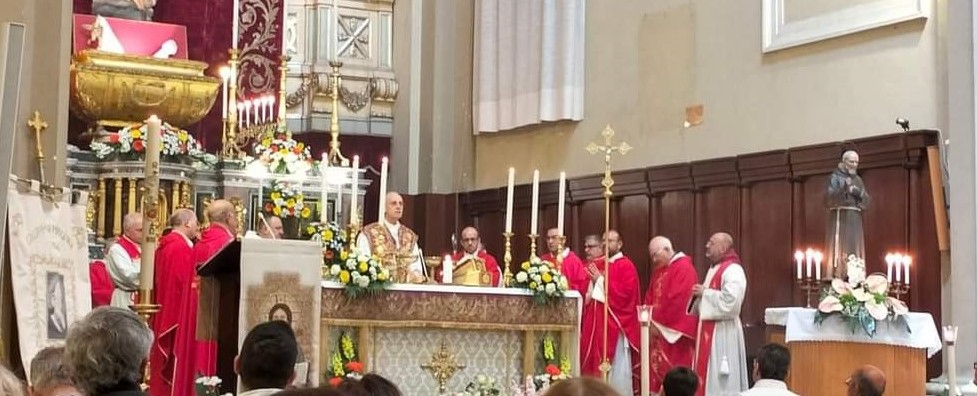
(49, 264)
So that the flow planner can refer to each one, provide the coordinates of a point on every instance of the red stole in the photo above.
(703, 343)
(195, 356)
(130, 247)
(573, 269)
(173, 275)
(101, 283)
(623, 294)
(671, 288)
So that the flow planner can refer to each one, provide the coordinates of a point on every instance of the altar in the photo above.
(823, 356)
(412, 334)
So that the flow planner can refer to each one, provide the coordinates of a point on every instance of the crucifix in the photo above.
(442, 366)
(38, 125)
(608, 181)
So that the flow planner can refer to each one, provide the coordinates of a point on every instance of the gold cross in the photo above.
(442, 366)
(608, 148)
(38, 125)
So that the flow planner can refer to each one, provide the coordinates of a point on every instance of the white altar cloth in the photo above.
(800, 327)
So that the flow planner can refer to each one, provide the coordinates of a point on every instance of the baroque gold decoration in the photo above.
(442, 366)
(384, 89)
(309, 84)
(354, 101)
(257, 69)
(116, 90)
(608, 181)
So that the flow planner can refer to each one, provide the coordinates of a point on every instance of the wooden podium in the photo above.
(820, 367)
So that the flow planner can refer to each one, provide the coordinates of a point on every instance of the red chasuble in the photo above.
(708, 327)
(573, 269)
(173, 274)
(491, 265)
(102, 285)
(670, 291)
(624, 294)
(194, 356)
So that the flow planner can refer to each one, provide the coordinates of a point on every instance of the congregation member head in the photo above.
(770, 369)
(106, 351)
(680, 381)
(377, 385)
(867, 380)
(270, 226)
(321, 391)
(49, 377)
(266, 362)
(10, 385)
(581, 386)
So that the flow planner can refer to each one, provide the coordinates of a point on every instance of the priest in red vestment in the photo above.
(622, 331)
(471, 245)
(673, 329)
(200, 356)
(570, 264)
(174, 273)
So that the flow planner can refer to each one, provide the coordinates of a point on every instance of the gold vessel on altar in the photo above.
(115, 90)
(470, 272)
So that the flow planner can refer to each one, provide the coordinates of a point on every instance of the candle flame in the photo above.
(798, 255)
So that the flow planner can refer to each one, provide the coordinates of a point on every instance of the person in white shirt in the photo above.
(770, 368)
(393, 243)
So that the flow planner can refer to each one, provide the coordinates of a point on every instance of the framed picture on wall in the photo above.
(790, 23)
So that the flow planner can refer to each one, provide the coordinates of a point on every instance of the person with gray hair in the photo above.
(49, 376)
(106, 351)
(123, 261)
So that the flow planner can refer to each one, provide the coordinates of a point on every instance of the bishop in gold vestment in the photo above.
(394, 243)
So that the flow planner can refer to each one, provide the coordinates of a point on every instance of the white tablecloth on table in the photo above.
(800, 327)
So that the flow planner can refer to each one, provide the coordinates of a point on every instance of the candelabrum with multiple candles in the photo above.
(809, 281)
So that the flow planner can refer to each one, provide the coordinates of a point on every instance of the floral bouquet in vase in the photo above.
(557, 367)
(482, 385)
(861, 301)
(283, 155)
(344, 363)
(543, 279)
(286, 201)
(129, 143)
(333, 239)
(360, 274)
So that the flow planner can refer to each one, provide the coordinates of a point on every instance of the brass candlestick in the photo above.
(532, 247)
(231, 151)
(335, 155)
(808, 286)
(899, 289)
(507, 259)
(558, 255)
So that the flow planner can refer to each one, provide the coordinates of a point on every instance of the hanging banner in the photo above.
(49, 263)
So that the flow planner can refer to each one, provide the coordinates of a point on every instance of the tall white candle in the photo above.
(382, 211)
(906, 261)
(225, 74)
(447, 270)
(533, 228)
(236, 21)
(561, 202)
(818, 256)
(799, 258)
(508, 200)
(645, 353)
(353, 218)
(240, 114)
(271, 107)
(154, 142)
(323, 194)
(335, 29)
(897, 262)
(809, 255)
(888, 266)
(247, 112)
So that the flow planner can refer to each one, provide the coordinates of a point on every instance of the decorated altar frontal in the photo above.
(435, 339)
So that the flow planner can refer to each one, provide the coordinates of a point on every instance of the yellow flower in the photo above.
(306, 212)
(363, 267)
(382, 276)
(310, 230)
(182, 136)
(525, 266)
(275, 195)
(136, 134)
(547, 278)
(300, 145)
(344, 255)
(290, 202)
(266, 142)
(277, 211)
(344, 276)
(532, 285)
(327, 235)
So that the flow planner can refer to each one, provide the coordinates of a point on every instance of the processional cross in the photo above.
(38, 125)
(608, 149)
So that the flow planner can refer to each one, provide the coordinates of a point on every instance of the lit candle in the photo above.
(240, 113)
(247, 112)
(799, 257)
(383, 190)
(809, 254)
(888, 266)
(906, 261)
(323, 195)
(447, 270)
(535, 213)
(153, 144)
(225, 73)
(353, 219)
(562, 202)
(271, 107)
(897, 262)
(234, 25)
(335, 30)
(818, 256)
(508, 200)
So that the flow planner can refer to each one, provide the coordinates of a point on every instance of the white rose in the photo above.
(364, 281)
(521, 277)
(335, 270)
(550, 288)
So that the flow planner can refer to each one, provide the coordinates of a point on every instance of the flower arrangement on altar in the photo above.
(129, 143)
(333, 240)
(283, 155)
(482, 385)
(861, 301)
(557, 366)
(286, 201)
(345, 362)
(207, 386)
(543, 279)
(360, 274)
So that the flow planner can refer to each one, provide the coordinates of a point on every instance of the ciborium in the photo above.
(117, 90)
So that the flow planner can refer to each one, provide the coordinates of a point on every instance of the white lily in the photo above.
(840, 286)
(830, 304)
(877, 310)
(877, 284)
(861, 295)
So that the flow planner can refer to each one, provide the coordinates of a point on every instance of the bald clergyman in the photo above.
(394, 243)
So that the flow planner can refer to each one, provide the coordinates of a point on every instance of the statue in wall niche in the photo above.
(140, 10)
(846, 199)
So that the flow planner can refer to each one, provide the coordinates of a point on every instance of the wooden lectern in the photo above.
(217, 316)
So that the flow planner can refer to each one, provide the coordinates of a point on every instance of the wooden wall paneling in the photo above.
(591, 222)
(886, 219)
(815, 214)
(676, 218)
(924, 247)
(717, 201)
(633, 226)
(765, 246)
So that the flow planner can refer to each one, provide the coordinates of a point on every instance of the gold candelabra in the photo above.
(335, 154)
(231, 149)
(608, 181)
(236, 134)
(532, 246)
(899, 289)
(507, 259)
(808, 285)
(561, 241)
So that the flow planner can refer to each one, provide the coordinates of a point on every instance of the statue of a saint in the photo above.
(140, 10)
(846, 199)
